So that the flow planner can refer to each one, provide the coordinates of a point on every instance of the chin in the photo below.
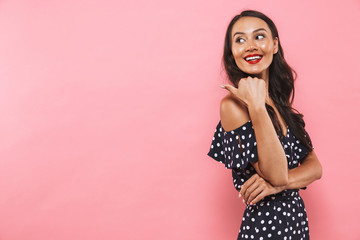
(253, 73)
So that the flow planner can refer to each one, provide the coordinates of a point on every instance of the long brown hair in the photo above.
(281, 81)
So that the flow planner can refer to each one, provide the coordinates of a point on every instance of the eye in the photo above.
(260, 36)
(240, 40)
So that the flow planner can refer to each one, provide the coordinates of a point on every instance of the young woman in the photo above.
(260, 136)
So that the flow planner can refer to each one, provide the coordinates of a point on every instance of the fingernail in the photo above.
(239, 194)
(222, 86)
(243, 201)
(252, 203)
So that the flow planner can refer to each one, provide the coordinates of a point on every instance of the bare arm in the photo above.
(309, 171)
(255, 188)
(272, 162)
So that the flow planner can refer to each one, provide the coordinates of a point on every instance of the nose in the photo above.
(251, 46)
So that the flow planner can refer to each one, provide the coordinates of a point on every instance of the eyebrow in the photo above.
(256, 30)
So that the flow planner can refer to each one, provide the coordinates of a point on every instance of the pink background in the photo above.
(108, 111)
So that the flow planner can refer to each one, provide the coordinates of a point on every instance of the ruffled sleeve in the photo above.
(300, 150)
(225, 146)
(302, 153)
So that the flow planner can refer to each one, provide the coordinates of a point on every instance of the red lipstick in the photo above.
(254, 58)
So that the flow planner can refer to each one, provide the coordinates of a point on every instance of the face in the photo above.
(253, 46)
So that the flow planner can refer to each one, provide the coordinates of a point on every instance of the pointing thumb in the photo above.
(229, 88)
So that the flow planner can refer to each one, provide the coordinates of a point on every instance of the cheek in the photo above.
(267, 48)
(236, 52)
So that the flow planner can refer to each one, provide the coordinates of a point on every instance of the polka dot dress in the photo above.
(277, 216)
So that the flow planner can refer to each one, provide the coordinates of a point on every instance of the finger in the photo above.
(250, 190)
(259, 183)
(255, 193)
(248, 183)
(230, 88)
(258, 197)
(245, 185)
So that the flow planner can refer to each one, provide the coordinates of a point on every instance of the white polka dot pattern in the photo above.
(226, 148)
(277, 216)
(236, 148)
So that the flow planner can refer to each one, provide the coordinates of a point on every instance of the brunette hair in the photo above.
(281, 81)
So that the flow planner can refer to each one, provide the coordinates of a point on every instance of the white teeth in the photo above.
(252, 58)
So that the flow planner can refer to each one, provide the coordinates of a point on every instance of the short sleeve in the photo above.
(301, 151)
(225, 146)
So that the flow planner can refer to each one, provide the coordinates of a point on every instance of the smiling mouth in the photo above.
(253, 59)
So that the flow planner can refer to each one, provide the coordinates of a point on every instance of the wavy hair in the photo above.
(281, 81)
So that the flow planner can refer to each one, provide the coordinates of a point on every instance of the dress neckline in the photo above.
(250, 122)
(287, 133)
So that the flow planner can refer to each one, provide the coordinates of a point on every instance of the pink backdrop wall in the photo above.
(108, 110)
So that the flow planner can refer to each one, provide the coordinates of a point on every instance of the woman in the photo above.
(260, 136)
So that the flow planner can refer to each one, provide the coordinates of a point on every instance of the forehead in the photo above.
(248, 25)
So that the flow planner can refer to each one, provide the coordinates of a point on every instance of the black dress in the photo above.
(277, 216)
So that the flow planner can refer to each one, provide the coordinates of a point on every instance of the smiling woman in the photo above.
(260, 136)
(256, 36)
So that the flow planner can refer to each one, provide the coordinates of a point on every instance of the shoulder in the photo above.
(233, 113)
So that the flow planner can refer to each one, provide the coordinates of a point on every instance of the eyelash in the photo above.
(237, 40)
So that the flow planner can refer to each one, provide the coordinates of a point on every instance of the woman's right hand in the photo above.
(251, 91)
(256, 188)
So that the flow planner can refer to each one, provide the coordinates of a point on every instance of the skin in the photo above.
(251, 35)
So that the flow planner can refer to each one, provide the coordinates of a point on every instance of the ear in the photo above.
(276, 45)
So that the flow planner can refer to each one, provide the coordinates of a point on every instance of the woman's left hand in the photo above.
(256, 188)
